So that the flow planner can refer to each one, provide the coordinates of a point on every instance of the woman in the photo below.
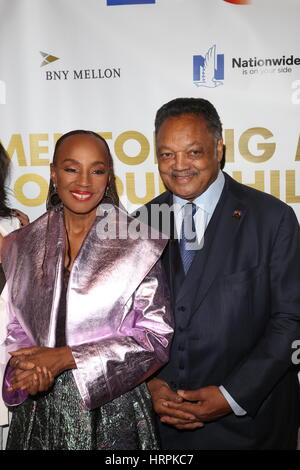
(89, 314)
(9, 220)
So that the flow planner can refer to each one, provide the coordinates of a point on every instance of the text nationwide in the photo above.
(258, 62)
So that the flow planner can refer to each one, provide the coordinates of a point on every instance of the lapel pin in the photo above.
(237, 214)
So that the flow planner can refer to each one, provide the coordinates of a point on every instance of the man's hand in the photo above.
(208, 403)
(168, 405)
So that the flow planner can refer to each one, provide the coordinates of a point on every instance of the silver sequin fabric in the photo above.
(58, 420)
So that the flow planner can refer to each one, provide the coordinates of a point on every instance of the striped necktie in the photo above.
(188, 237)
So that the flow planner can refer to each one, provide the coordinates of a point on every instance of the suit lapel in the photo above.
(171, 256)
(219, 237)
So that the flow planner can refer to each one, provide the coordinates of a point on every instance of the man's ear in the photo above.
(220, 149)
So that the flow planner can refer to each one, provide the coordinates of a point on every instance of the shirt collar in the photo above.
(207, 200)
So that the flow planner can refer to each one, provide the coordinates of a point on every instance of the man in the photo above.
(230, 382)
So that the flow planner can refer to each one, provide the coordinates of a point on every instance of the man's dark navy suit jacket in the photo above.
(237, 313)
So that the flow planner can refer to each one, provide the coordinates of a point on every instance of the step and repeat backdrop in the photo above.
(108, 65)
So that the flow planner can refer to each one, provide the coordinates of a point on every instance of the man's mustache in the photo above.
(180, 173)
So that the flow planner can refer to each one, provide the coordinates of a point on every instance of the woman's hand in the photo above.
(36, 367)
(33, 381)
(56, 360)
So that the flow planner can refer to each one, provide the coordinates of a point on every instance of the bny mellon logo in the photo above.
(48, 58)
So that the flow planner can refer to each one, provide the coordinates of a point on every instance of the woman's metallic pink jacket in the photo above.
(118, 315)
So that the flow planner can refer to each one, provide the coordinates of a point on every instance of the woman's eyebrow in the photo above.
(72, 160)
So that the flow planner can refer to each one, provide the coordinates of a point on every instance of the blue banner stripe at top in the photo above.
(128, 2)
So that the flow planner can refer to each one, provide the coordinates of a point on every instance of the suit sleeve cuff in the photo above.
(237, 409)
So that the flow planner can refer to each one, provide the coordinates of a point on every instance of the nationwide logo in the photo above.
(265, 65)
(127, 2)
(208, 70)
(47, 58)
(239, 2)
(259, 62)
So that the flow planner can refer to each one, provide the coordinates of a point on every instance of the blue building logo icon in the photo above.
(208, 70)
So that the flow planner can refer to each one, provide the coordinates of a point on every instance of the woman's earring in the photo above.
(53, 197)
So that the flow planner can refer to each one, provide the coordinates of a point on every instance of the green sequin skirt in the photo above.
(57, 420)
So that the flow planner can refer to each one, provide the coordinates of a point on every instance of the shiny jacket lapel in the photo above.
(26, 255)
(106, 263)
